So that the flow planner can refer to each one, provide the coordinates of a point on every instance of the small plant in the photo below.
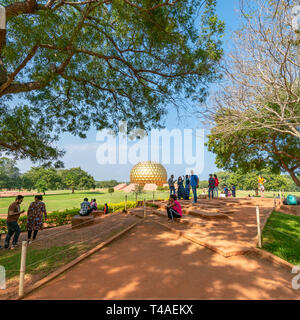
(111, 191)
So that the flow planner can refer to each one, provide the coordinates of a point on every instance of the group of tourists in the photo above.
(36, 214)
(87, 207)
(185, 183)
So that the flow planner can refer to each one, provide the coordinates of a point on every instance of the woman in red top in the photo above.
(174, 208)
(216, 186)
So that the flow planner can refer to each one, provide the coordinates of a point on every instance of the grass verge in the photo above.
(281, 237)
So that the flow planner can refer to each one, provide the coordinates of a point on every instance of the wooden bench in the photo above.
(79, 221)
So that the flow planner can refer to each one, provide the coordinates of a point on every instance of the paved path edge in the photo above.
(66, 267)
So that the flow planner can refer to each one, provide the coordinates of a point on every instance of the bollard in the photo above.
(113, 209)
(144, 208)
(153, 199)
(126, 202)
(22, 268)
(258, 227)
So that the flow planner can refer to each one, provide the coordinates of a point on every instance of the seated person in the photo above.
(173, 208)
(105, 209)
(85, 208)
(94, 205)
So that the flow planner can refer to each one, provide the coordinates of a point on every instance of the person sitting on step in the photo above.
(93, 205)
(173, 208)
(85, 208)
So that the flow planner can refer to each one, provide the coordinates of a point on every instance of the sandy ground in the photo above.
(152, 263)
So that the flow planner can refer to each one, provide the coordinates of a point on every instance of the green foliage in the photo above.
(9, 174)
(256, 150)
(97, 64)
(111, 190)
(58, 218)
(281, 236)
(76, 178)
(106, 184)
(160, 188)
(249, 181)
(42, 179)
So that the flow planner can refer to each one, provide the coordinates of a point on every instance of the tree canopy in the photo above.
(9, 174)
(77, 64)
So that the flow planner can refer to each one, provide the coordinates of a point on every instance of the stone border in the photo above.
(71, 264)
(225, 254)
(271, 257)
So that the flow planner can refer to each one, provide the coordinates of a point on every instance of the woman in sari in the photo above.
(35, 214)
(180, 190)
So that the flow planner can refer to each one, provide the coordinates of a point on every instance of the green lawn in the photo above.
(281, 236)
(67, 200)
(64, 199)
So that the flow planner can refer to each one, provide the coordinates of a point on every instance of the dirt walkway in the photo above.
(152, 263)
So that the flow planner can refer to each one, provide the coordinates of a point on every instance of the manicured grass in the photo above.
(39, 260)
(281, 236)
(64, 199)
(68, 200)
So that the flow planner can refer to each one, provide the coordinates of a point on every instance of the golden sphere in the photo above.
(148, 172)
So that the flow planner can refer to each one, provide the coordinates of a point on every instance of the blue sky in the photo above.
(82, 152)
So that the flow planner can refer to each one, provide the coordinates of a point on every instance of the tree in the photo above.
(81, 63)
(261, 87)
(41, 186)
(256, 114)
(138, 190)
(256, 150)
(9, 174)
(76, 178)
(111, 190)
(42, 179)
(24, 134)
(106, 184)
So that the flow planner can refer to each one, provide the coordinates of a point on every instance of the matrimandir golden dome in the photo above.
(148, 172)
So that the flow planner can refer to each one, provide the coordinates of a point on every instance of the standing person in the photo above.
(171, 183)
(211, 186)
(226, 190)
(174, 208)
(216, 191)
(261, 187)
(13, 227)
(105, 209)
(187, 187)
(85, 207)
(233, 190)
(35, 213)
(194, 185)
(180, 190)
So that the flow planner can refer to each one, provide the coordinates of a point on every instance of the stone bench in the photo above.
(97, 213)
(79, 221)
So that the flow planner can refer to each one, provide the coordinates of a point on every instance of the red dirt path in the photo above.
(152, 263)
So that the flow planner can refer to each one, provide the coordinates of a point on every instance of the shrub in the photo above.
(60, 218)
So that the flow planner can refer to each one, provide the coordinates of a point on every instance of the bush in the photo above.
(162, 188)
(58, 218)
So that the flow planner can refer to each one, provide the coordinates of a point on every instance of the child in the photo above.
(105, 209)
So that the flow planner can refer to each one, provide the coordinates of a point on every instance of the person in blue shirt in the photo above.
(233, 190)
(194, 185)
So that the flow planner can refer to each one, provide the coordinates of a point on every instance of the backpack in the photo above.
(291, 200)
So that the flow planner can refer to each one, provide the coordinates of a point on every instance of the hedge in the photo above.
(60, 218)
